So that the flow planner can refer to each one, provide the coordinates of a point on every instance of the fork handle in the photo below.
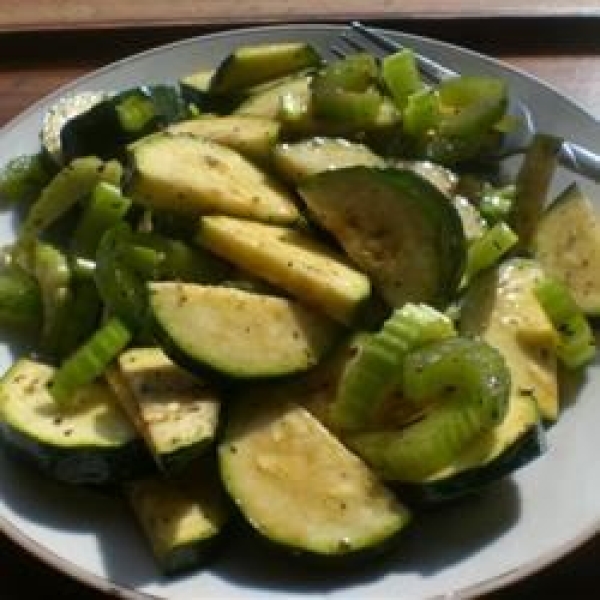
(580, 160)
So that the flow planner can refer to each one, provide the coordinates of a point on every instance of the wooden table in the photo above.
(553, 39)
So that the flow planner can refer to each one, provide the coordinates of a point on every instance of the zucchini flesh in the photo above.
(567, 244)
(299, 487)
(175, 412)
(194, 176)
(238, 333)
(291, 260)
(500, 306)
(182, 518)
(297, 161)
(254, 137)
(267, 102)
(68, 445)
(380, 216)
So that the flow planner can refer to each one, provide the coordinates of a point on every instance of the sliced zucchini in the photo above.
(174, 411)
(296, 161)
(194, 176)
(396, 226)
(291, 260)
(57, 116)
(567, 244)
(252, 65)
(254, 137)
(491, 456)
(267, 101)
(107, 127)
(442, 177)
(239, 333)
(91, 443)
(182, 518)
(299, 487)
(501, 307)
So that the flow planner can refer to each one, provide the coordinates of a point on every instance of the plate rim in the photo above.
(104, 584)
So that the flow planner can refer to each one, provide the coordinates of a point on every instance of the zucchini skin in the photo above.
(379, 216)
(68, 446)
(527, 448)
(79, 466)
(266, 440)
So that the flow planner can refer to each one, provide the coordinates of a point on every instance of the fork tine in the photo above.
(430, 68)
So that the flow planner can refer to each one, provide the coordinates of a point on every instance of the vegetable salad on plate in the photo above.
(294, 294)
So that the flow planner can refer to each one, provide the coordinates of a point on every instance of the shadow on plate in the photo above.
(435, 541)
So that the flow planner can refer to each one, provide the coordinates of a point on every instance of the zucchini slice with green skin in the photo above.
(191, 175)
(299, 487)
(500, 306)
(396, 226)
(68, 445)
(291, 260)
(297, 161)
(567, 244)
(518, 439)
(238, 333)
(254, 137)
(174, 411)
(182, 518)
(57, 116)
(248, 66)
(267, 101)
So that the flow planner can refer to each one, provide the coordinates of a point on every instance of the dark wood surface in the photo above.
(556, 41)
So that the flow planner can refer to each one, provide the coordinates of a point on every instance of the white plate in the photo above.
(518, 526)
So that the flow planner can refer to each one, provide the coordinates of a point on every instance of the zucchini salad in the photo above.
(295, 296)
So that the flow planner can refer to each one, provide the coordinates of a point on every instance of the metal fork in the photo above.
(572, 156)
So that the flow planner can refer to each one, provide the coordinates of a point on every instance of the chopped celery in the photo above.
(105, 208)
(345, 91)
(471, 383)
(23, 178)
(487, 250)
(576, 345)
(375, 370)
(20, 299)
(89, 361)
(71, 184)
(401, 76)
